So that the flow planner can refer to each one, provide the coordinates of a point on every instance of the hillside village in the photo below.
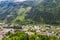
(43, 30)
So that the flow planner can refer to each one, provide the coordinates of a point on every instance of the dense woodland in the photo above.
(30, 12)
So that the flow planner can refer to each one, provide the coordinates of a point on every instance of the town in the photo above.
(43, 30)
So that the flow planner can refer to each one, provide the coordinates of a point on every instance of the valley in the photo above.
(30, 20)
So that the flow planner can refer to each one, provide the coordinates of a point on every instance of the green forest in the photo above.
(31, 12)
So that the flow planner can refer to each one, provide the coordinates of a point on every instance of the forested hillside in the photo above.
(47, 11)
(30, 12)
(9, 11)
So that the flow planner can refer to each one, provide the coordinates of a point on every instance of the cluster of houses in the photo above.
(3, 30)
(42, 30)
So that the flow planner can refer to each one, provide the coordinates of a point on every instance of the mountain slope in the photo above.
(9, 10)
(30, 12)
(47, 11)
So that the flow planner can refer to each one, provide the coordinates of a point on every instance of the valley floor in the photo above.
(30, 30)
